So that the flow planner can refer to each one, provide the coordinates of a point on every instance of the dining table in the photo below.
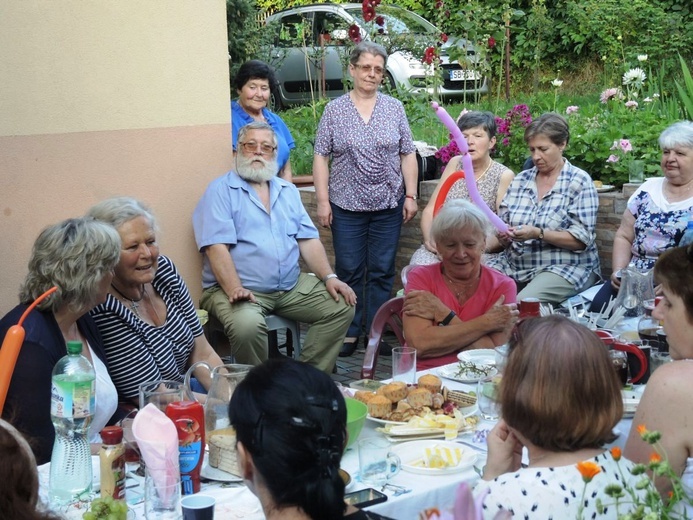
(407, 493)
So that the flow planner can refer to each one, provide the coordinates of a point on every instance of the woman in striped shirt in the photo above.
(148, 322)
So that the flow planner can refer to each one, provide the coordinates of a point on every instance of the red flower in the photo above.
(375, 3)
(429, 55)
(355, 33)
(368, 12)
(380, 20)
(491, 42)
(439, 4)
(443, 37)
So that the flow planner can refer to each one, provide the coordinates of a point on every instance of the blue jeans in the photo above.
(365, 246)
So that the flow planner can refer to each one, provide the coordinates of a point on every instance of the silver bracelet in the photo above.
(331, 275)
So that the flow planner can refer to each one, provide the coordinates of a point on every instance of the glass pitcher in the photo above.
(636, 288)
(225, 379)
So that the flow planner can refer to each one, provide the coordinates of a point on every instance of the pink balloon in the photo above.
(468, 167)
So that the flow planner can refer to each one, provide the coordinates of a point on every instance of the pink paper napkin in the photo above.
(157, 439)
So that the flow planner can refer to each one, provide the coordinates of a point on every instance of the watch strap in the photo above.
(447, 319)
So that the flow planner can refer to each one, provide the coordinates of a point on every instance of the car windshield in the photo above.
(398, 21)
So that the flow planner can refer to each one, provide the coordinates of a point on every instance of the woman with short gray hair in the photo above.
(457, 304)
(148, 321)
(78, 257)
(365, 175)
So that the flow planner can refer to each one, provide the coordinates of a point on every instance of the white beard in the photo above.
(247, 170)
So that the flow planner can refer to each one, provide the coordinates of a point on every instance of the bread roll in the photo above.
(430, 382)
(379, 406)
(420, 397)
(395, 391)
(364, 396)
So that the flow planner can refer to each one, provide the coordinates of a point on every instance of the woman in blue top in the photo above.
(254, 83)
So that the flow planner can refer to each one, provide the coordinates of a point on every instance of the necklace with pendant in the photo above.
(134, 304)
(453, 283)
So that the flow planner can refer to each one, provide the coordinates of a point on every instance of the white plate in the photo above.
(478, 356)
(383, 421)
(211, 473)
(605, 187)
(410, 452)
(450, 372)
(631, 399)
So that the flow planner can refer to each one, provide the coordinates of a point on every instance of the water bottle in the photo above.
(72, 410)
(687, 237)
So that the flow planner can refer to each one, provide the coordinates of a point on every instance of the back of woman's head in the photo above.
(73, 255)
(559, 388)
(674, 269)
(291, 418)
(19, 477)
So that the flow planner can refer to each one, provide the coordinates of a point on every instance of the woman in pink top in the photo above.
(457, 304)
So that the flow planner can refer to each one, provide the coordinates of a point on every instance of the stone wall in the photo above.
(611, 207)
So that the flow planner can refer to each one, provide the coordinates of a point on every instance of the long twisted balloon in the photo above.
(468, 167)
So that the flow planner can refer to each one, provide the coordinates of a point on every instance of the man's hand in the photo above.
(409, 210)
(240, 293)
(336, 287)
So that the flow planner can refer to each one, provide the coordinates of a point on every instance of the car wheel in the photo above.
(390, 82)
(275, 101)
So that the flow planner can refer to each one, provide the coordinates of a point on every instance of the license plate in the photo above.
(461, 75)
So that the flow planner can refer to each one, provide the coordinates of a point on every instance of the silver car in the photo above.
(310, 53)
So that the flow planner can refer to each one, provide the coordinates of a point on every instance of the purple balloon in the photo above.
(468, 167)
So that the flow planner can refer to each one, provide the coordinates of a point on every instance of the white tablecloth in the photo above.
(236, 501)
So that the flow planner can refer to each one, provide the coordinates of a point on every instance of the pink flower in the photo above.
(571, 109)
(611, 93)
(625, 145)
(429, 55)
(632, 104)
(612, 158)
(443, 37)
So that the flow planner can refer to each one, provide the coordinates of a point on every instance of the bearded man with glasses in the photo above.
(252, 228)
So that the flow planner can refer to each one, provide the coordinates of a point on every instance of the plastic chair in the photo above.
(216, 335)
(388, 314)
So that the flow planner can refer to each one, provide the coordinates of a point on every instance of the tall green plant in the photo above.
(686, 94)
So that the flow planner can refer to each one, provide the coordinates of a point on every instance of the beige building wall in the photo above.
(109, 98)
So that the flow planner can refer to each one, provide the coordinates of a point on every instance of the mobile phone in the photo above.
(365, 497)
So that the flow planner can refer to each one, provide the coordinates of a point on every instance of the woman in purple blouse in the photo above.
(370, 187)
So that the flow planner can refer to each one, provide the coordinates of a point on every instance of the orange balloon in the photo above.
(445, 188)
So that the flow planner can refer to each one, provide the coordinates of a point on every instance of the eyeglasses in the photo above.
(370, 68)
(252, 146)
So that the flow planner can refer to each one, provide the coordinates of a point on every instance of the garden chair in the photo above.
(389, 313)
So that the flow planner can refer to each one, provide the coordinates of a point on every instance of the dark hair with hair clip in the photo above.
(292, 419)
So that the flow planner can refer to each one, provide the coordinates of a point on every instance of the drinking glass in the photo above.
(161, 498)
(161, 393)
(487, 397)
(404, 365)
(658, 359)
(619, 360)
(376, 463)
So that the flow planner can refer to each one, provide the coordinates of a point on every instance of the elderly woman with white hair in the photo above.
(657, 213)
(148, 322)
(78, 256)
(457, 304)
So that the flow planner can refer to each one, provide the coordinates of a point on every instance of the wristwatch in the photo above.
(541, 234)
(331, 275)
(447, 319)
(412, 197)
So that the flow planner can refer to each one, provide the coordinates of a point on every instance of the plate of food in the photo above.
(431, 457)
(220, 463)
(466, 371)
(478, 356)
(605, 187)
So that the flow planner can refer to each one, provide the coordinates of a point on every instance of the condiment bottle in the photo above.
(189, 418)
(112, 458)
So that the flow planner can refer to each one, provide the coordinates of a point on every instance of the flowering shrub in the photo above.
(633, 504)
(511, 148)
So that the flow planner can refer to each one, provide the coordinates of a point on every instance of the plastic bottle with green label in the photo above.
(72, 410)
